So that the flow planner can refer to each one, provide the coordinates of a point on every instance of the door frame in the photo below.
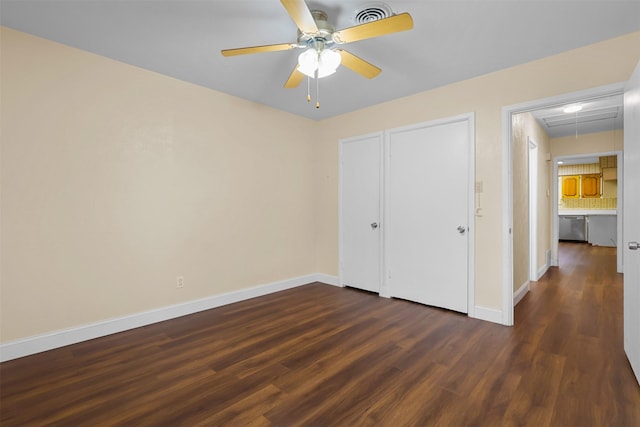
(471, 261)
(507, 178)
(341, 142)
(533, 210)
(554, 206)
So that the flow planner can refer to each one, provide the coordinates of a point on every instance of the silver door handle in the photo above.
(634, 246)
(374, 225)
(461, 229)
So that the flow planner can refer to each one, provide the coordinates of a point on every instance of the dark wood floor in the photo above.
(325, 356)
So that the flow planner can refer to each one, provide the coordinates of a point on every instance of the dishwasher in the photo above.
(572, 227)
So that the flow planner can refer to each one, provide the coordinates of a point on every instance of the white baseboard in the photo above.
(487, 314)
(521, 292)
(325, 278)
(39, 343)
(542, 271)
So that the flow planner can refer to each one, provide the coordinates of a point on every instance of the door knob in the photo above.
(634, 246)
(461, 229)
(374, 225)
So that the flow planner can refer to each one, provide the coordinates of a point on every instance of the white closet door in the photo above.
(427, 217)
(360, 212)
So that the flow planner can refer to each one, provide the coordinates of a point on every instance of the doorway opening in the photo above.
(530, 249)
(600, 224)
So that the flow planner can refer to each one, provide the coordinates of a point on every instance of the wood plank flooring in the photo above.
(319, 355)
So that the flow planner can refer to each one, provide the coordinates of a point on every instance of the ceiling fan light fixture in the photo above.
(317, 37)
(330, 58)
(308, 62)
(326, 62)
(329, 62)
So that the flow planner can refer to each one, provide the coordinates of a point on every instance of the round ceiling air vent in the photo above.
(372, 12)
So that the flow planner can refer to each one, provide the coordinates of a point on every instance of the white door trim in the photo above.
(341, 142)
(471, 270)
(507, 162)
(533, 210)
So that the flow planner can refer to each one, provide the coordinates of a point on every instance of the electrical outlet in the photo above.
(180, 282)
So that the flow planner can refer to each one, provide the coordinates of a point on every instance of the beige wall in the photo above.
(601, 142)
(525, 127)
(545, 194)
(521, 218)
(604, 63)
(115, 180)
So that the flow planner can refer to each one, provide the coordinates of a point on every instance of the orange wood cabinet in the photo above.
(571, 187)
(591, 186)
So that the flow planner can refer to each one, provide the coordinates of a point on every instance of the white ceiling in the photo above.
(597, 115)
(452, 40)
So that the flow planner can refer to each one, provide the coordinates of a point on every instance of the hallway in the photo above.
(573, 319)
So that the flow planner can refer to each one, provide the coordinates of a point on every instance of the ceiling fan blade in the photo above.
(258, 49)
(381, 27)
(358, 64)
(301, 15)
(294, 79)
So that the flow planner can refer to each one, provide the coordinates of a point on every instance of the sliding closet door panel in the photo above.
(360, 208)
(428, 209)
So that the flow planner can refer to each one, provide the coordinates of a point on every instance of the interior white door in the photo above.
(427, 216)
(360, 212)
(631, 218)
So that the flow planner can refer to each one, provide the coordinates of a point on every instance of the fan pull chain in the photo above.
(317, 90)
(308, 89)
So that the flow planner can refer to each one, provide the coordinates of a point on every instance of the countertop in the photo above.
(590, 212)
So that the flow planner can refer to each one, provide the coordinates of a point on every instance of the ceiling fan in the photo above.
(319, 38)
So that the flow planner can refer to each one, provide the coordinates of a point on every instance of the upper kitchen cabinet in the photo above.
(609, 167)
(571, 187)
(610, 174)
(591, 186)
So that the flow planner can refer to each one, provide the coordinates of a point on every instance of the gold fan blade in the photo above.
(392, 24)
(258, 49)
(294, 79)
(301, 15)
(358, 64)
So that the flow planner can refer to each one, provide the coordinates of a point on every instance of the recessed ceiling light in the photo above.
(572, 108)
(560, 162)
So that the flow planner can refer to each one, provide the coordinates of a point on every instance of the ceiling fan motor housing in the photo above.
(322, 39)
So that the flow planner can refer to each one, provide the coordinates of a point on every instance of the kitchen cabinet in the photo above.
(571, 187)
(602, 230)
(572, 228)
(610, 174)
(591, 186)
